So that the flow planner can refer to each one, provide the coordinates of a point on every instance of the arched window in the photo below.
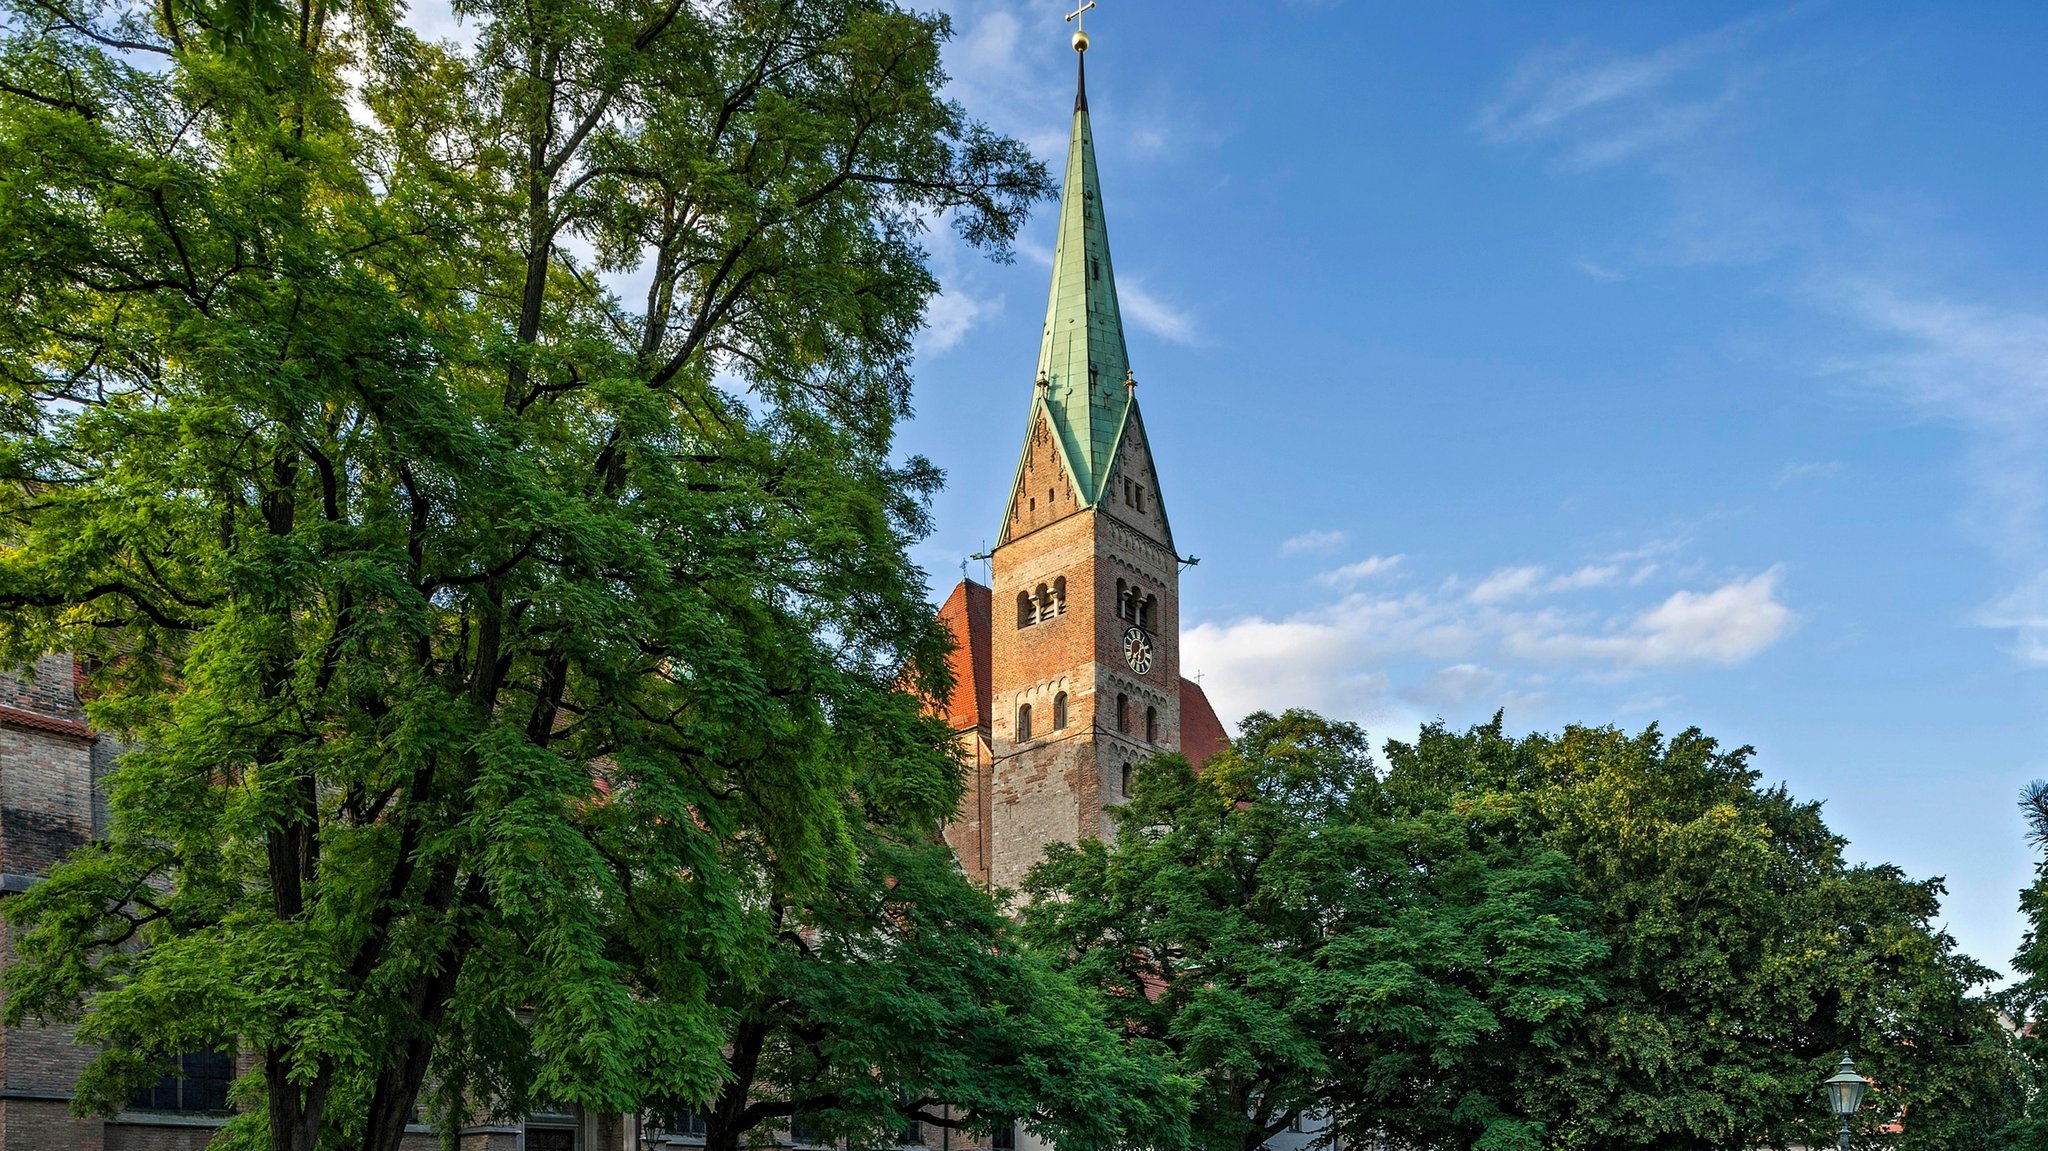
(1023, 721)
(1044, 602)
(1059, 596)
(1145, 611)
(1124, 782)
(1151, 725)
(1123, 713)
(1123, 594)
(1059, 711)
(1025, 616)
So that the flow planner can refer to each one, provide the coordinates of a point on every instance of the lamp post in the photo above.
(1845, 1093)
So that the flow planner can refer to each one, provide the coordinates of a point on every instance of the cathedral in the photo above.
(1067, 667)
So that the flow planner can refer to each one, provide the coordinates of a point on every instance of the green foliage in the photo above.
(484, 642)
(1590, 941)
(898, 993)
(1308, 945)
(1743, 953)
(2026, 999)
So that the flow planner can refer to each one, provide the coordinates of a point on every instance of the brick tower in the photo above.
(1082, 631)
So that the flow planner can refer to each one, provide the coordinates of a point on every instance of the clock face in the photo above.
(1137, 650)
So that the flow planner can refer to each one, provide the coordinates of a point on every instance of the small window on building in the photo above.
(1139, 491)
(1059, 596)
(1003, 1138)
(1124, 781)
(1091, 375)
(1151, 725)
(1026, 616)
(803, 1129)
(1059, 711)
(1024, 721)
(1094, 268)
(1034, 503)
(1123, 713)
(1123, 592)
(1144, 611)
(199, 1084)
(683, 1121)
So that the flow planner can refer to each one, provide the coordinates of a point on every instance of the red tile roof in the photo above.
(36, 721)
(1201, 733)
(966, 615)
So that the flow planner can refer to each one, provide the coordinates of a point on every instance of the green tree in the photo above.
(898, 994)
(476, 631)
(1743, 953)
(1308, 945)
(2026, 999)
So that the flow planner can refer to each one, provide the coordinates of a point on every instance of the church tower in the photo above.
(1085, 603)
(1067, 669)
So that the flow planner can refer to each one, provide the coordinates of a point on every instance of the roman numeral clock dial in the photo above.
(1137, 650)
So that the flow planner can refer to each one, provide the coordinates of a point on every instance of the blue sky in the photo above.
(1609, 363)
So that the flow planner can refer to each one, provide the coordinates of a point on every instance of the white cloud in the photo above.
(1496, 642)
(1359, 572)
(1983, 370)
(1723, 627)
(1528, 580)
(1154, 314)
(949, 316)
(1799, 470)
(1313, 542)
(1599, 108)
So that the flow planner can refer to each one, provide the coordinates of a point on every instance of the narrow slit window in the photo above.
(1151, 725)
(1123, 713)
(1023, 721)
(1059, 712)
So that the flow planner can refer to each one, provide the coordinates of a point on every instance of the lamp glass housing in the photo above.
(1846, 1088)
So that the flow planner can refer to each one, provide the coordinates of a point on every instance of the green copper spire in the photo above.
(1082, 363)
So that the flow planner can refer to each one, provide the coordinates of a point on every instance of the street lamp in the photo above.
(1845, 1093)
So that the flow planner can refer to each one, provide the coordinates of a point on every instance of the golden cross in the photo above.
(1075, 15)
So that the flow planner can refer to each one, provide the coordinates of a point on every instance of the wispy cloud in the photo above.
(1154, 314)
(1313, 543)
(1356, 573)
(1982, 369)
(949, 316)
(1494, 641)
(1599, 107)
(1799, 470)
(1528, 580)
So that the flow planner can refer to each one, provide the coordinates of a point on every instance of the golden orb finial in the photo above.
(1080, 36)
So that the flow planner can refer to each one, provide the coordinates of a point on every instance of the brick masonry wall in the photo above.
(46, 1125)
(46, 810)
(1056, 785)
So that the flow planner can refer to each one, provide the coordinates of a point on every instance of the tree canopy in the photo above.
(477, 632)
(1587, 941)
(898, 994)
(1308, 949)
(1744, 953)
